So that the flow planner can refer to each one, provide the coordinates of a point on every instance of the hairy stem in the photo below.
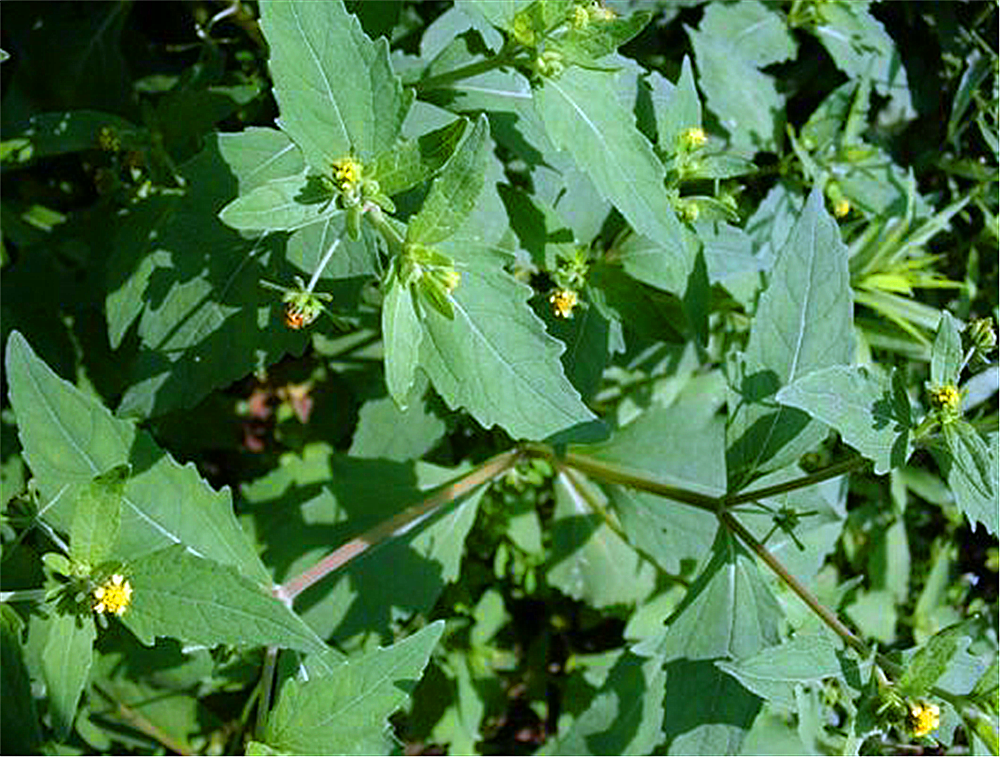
(398, 524)
(823, 474)
(503, 58)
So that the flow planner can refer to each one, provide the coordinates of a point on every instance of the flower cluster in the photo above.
(947, 400)
(563, 301)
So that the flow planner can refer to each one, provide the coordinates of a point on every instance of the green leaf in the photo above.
(199, 601)
(308, 246)
(586, 45)
(280, 205)
(389, 433)
(347, 710)
(971, 467)
(676, 107)
(804, 322)
(413, 161)
(69, 438)
(495, 359)
(708, 712)
(860, 46)
(728, 612)
(97, 516)
(582, 114)
(19, 728)
(626, 714)
(66, 661)
(257, 156)
(946, 354)
(335, 88)
(589, 561)
(453, 194)
(932, 659)
(656, 264)
(401, 337)
(772, 673)
(869, 409)
(732, 43)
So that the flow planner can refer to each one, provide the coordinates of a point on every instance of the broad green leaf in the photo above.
(347, 711)
(585, 46)
(280, 205)
(869, 409)
(804, 322)
(205, 318)
(412, 161)
(500, 13)
(728, 611)
(69, 438)
(657, 264)
(946, 355)
(401, 337)
(589, 561)
(257, 156)
(624, 717)
(308, 246)
(386, 432)
(66, 663)
(495, 359)
(931, 661)
(19, 728)
(707, 711)
(97, 516)
(772, 673)
(335, 88)
(50, 134)
(970, 464)
(582, 114)
(199, 601)
(731, 44)
(453, 194)
(494, 91)
(676, 107)
(860, 46)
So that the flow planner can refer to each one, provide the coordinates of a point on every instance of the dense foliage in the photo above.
(510, 376)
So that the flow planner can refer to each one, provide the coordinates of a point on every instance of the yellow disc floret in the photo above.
(924, 718)
(114, 595)
(563, 301)
(842, 207)
(947, 399)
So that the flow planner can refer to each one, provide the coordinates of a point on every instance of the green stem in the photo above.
(266, 690)
(823, 474)
(616, 474)
(503, 58)
(392, 238)
(730, 522)
(398, 524)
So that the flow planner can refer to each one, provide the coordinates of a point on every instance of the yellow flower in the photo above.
(114, 595)
(947, 399)
(842, 207)
(923, 718)
(600, 13)
(347, 174)
(563, 301)
(579, 17)
(693, 136)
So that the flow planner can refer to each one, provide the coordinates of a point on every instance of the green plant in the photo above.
(652, 413)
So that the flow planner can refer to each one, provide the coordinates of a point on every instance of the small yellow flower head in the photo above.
(600, 13)
(550, 64)
(947, 399)
(451, 280)
(346, 174)
(842, 207)
(579, 18)
(923, 718)
(108, 140)
(693, 137)
(563, 301)
(688, 210)
(114, 595)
